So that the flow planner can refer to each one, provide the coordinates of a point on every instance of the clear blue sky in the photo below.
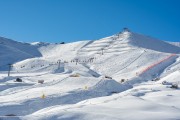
(73, 20)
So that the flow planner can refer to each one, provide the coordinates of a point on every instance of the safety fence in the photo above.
(157, 63)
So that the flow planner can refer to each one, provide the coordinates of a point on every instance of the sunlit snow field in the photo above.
(126, 76)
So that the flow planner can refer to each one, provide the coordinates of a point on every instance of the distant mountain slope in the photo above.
(175, 43)
(12, 51)
(126, 41)
(151, 43)
(66, 51)
(25, 47)
(118, 44)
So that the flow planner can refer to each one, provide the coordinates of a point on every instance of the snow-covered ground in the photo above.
(175, 43)
(124, 76)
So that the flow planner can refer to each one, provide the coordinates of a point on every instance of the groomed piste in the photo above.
(126, 76)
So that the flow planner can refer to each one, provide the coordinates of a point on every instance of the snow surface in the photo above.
(123, 76)
(175, 43)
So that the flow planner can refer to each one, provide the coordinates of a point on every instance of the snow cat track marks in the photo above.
(39, 86)
(131, 62)
(119, 51)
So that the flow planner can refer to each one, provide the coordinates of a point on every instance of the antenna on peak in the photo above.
(126, 29)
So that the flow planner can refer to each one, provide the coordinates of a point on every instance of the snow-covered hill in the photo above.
(12, 51)
(175, 43)
(100, 79)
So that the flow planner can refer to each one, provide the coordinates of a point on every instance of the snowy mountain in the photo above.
(12, 51)
(39, 44)
(123, 76)
(175, 43)
(151, 43)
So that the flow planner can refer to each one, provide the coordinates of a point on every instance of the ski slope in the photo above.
(83, 80)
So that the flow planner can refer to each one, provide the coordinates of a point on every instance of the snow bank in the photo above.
(109, 87)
